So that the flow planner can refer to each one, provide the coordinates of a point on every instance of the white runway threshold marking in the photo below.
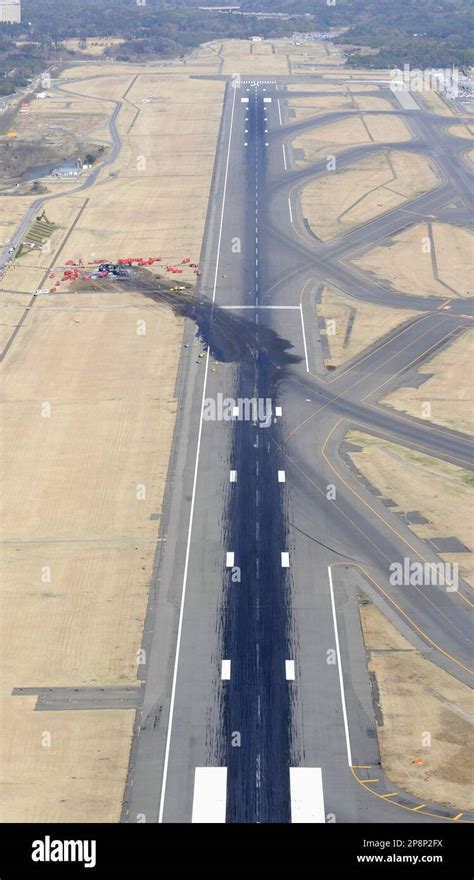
(210, 793)
(285, 560)
(306, 792)
(193, 497)
(225, 670)
(339, 667)
(229, 560)
(290, 670)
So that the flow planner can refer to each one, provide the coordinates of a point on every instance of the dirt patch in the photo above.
(426, 739)
(448, 388)
(436, 103)
(427, 259)
(335, 202)
(353, 131)
(92, 45)
(87, 418)
(439, 491)
(462, 131)
(351, 326)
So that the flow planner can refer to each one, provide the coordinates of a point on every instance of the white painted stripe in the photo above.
(339, 666)
(233, 476)
(225, 670)
(304, 338)
(193, 497)
(284, 157)
(306, 792)
(290, 670)
(244, 100)
(235, 411)
(291, 212)
(281, 476)
(260, 307)
(285, 560)
(229, 559)
(279, 112)
(210, 792)
(278, 411)
(267, 100)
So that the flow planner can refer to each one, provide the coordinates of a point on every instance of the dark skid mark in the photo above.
(229, 336)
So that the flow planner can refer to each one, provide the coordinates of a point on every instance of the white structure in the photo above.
(10, 11)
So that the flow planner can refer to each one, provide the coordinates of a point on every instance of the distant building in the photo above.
(10, 11)
(66, 172)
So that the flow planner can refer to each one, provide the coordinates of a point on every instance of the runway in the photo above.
(255, 664)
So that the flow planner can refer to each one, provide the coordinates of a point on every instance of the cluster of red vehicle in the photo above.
(71, 274)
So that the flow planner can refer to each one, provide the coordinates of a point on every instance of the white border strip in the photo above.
(304, 338)
(339, 667)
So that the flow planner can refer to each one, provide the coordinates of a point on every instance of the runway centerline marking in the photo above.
(193, 500)
(339, 669)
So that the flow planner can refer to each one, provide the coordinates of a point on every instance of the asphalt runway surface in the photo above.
(257, 488)
(262, 563)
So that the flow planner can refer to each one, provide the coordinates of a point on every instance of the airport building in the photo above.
(10, 11)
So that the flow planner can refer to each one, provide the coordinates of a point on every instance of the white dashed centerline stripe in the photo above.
(306, 792)
(290, 670)
(285, 560)
(281, 476)
(289, 208)
(284, 157)
(225, 670)
(339, 667)
(233, 476)
(210, 795)
(229, 559)
(279, 112)
(193, 499)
